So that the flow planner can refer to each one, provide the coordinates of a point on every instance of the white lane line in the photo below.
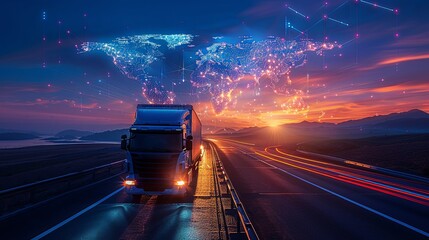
(426, 234)
(76, 215)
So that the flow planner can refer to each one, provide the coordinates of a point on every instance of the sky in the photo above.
(379, 64)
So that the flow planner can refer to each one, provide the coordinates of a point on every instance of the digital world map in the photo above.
(239, 63)
(220, 68)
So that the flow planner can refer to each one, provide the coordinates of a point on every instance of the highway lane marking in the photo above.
(426, 234)
(76, 215)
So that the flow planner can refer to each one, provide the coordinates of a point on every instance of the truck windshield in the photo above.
(156, 141)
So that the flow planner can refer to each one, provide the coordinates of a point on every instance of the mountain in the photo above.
(72, 134)
(225, 131)
(107, 136)
(408, 124)
(411, 122)
(412, 114)
(306, 124)
(16, 136)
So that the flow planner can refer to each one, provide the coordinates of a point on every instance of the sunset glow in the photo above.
(268, 65)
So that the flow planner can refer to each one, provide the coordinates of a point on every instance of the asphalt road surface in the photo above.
(287, 195)
(290, 196)
(105, 211)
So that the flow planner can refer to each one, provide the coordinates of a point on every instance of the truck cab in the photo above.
(161, 148)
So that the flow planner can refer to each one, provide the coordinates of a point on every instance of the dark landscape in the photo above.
(25, 165)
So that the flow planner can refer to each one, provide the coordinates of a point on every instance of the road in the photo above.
(290, 196)
(287, 195)
(105, 211)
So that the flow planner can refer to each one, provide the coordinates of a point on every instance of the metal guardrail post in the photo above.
(241, 217)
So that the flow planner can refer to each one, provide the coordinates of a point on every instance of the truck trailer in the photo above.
(163, 149)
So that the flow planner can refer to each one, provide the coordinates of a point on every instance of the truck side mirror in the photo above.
(189, 143)
(124, 142)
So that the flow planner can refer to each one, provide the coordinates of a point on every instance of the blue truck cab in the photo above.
(163, 149)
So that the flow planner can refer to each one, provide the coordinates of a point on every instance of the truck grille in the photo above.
(154, 171)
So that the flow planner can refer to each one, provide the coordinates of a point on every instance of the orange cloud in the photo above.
(403, 59)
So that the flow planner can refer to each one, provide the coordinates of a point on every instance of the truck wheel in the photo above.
(136, 198)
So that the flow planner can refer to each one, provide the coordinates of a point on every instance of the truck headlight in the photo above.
(130, 182)
(180, 183)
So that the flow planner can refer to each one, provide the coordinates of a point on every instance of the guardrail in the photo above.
(14, 198)
(242, 220)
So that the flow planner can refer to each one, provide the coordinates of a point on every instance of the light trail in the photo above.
(354, 175)
(344, 177)
(404, 224)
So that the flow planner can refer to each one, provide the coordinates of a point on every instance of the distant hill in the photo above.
(407, 124)
(108, 136)
(412, 114)
(410, 122)
(2, 130)
(72, 134)
(413, 121)
(225, 131)
(306, 124)
(16, 136)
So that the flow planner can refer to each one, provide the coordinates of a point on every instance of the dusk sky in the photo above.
(379, 65)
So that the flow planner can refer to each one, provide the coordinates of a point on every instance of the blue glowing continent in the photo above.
(133, 55)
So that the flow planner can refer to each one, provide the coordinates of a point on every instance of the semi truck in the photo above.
(163, 149)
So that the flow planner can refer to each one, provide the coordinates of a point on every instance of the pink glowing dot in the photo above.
(396, 34)
(357, 35)
(49, 85)
(59, 41)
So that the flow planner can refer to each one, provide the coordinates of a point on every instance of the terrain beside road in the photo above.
(20, 166)
(406, 153)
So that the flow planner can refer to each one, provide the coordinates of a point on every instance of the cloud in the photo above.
(404, 59)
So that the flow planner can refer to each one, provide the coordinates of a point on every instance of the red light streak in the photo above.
(346, 178)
